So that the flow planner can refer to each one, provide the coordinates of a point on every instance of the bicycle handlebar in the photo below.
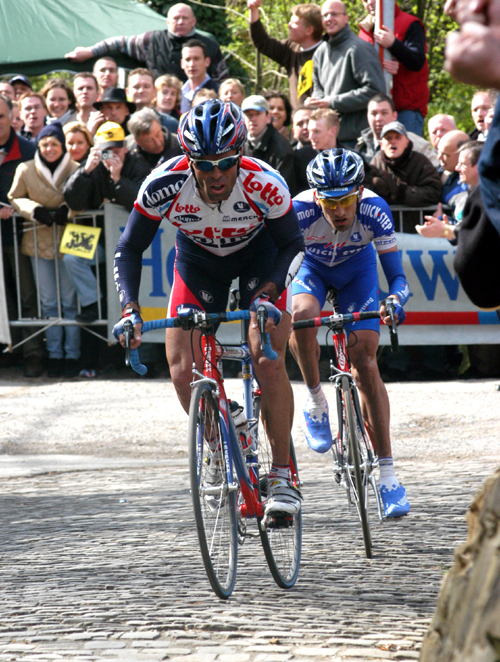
(336, 319)
(193, 319)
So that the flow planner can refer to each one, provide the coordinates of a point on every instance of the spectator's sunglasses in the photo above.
(344, 201)
(223, 164)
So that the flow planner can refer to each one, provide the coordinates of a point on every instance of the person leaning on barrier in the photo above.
(149, 139)
(235, 220)
(399, 174)
(340, 220)
(13, 151)
(160, 50)
(36, 193)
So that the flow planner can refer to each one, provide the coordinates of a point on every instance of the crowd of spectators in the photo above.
(75, 144)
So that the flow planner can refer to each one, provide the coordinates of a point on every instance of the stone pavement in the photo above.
(102, 563)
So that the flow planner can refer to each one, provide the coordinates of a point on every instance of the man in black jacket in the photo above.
(160, 50)
(109, 173)
(13, 151)
(264, 142)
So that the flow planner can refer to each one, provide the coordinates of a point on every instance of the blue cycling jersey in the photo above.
(373, 223)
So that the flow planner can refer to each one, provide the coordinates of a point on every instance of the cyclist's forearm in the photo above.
(393, 270)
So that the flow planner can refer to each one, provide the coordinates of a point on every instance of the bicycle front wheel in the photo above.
(357, 470)
(214, 499)
(281, 537)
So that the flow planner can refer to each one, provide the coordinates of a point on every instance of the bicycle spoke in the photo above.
(213, 502)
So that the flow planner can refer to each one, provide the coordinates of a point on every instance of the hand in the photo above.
(273, 314)
(254, 4)
(80, 54)
(473, 55)
(392, 66)
(61, 215)
(399, 312)
(433, 227)
(384, 37)
(137, 322)
(96, 118)
(114, 165)
(93, 160)
(43, 215)
(6, 212)
(311, 102)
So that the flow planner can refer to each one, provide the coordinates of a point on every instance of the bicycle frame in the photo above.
(245, 470)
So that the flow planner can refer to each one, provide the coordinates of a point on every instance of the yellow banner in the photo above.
(80, 240)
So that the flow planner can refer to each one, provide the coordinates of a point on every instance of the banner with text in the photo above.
(438, 311)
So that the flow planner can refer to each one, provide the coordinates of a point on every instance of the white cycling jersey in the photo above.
(222, 228)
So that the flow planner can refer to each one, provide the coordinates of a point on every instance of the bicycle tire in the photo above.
(355, 474)
(281, 539)
(214, 503)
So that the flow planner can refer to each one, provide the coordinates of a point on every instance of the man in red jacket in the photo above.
(409, 67)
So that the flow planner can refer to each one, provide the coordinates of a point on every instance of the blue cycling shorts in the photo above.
(356, 282)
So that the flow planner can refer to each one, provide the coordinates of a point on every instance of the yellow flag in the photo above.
(80, 240)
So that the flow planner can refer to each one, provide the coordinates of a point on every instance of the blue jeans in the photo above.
(82, 276)
(61, 342)
(413, 120)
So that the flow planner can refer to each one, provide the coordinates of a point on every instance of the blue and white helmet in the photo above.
(335, 172)
(212, 127)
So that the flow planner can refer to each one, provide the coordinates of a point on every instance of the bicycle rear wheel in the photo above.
(214, 500)
(357, 467)
(281, 537)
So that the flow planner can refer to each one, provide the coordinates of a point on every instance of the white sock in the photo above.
(279, 471)
(387, 476)
(316, 395)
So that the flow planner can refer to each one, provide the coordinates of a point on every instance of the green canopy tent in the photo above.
(36, 34)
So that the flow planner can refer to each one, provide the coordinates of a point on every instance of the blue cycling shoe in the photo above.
(318, 433)
(395, 502)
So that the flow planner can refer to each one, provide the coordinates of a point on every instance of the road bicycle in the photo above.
(230, 455)
(354, 458)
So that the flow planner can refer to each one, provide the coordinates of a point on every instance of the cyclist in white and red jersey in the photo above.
(340, 220)
(235, 219)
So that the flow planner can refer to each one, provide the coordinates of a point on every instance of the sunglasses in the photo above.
(223, 164)
(333, 203)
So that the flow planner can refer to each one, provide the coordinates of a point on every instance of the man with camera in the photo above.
(109, 173)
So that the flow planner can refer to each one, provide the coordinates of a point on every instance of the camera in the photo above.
(106, 154)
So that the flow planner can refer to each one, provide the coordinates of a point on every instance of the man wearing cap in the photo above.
(399, 174)
(114, 107)
(264, 142)
(21, 85)
(109, 173)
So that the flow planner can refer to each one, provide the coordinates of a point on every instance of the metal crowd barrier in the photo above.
(20, 227)
(405, 219)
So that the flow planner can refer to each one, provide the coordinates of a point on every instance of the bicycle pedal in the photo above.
(338, 477)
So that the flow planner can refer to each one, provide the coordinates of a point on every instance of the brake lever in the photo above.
(128, 334)
(393, 331)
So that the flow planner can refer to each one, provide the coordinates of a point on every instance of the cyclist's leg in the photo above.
(362, 294)
(309, 293)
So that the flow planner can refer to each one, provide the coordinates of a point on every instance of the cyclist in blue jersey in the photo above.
(235, 219)
(340, 220)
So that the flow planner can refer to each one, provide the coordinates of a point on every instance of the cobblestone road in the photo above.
(104, 564)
